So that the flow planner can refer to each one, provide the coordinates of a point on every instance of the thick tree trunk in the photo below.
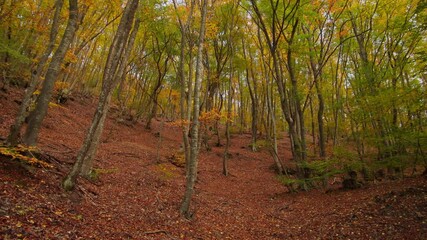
(40, 111)
(192, 173)
(114, 68)
(15, 129)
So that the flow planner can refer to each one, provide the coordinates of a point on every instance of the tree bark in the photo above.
(114, 67)
(40, 111)
(185, 85)
(192, 173)
(254, 100)
(88, 163)
(15, 129)
(228, 120)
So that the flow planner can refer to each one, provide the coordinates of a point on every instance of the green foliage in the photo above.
(291, 183)
(347, 160)
(322, 169)
(13, 53)
(317, 174)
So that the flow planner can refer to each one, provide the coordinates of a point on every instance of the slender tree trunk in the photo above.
(254, 101)
(313, 128)
(228, 121)
(15, 129)
(320, 122)
(88, 162)
(42, 104)
(184, 119)
(192, 173)
(185, 99)
(154, 97)
(114, 67)
(227, 126)
(272, 115)
(241, 108)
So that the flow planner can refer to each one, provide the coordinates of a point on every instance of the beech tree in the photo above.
(36, 73)
(280, 21)
(114, 67)
(191, 174)
(37, 115)
(352, 74)
(185, 88)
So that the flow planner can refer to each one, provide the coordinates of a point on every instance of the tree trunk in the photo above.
(15, 129)
(229, 105)
(114, 67)
(88, 163)
(320, 122)
(254, 100)
(272, 115)
(42, 104)
(185, 87)
(227, 126)
(192, 173)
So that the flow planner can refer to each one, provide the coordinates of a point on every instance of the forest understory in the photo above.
(138, 187)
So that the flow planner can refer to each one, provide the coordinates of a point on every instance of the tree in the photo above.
(15, 129)
(114, 67)
(233, 11)
(320, 30)
(252, 92)
(280, 21)
(42, 104)
(161, 40)
(191, 174)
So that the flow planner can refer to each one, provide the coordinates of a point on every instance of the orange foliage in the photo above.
(210, 117)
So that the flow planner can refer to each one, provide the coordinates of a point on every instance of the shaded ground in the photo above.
(137, 197)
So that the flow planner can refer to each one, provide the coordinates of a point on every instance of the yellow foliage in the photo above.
(210, 117)
(177, 159)
(61, 86)
(211, 29)
(167, 170)
(52, 104)
(70, 57)
(18, 153)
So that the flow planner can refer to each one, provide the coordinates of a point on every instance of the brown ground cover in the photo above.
(137, 196)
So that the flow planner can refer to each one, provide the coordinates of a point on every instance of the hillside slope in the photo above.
(137, 196)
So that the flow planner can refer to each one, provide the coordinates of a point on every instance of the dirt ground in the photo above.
(137, 194)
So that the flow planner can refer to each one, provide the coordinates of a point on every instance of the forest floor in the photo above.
(137, 195)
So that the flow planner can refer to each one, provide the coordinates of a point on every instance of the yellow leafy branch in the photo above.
(18, 153)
